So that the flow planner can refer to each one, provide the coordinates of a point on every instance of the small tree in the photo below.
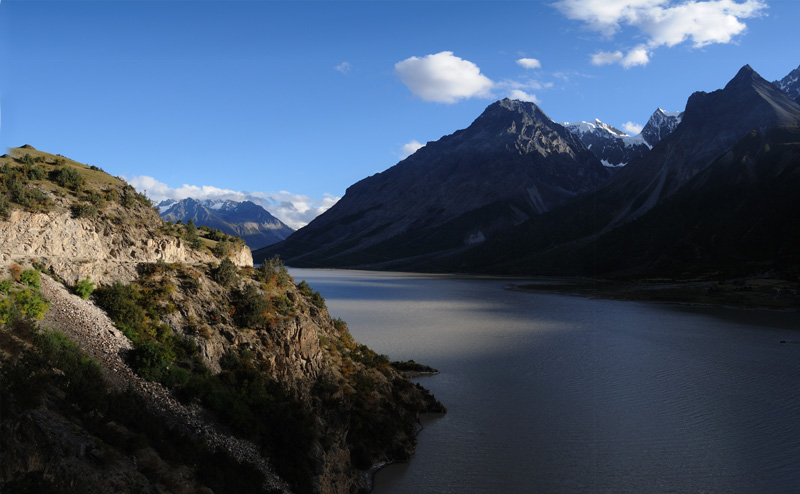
(191, 236)
(225, 273)
(250, 307)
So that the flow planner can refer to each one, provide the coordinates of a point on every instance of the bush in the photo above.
(150, 360)
(225, 273)
(31, 303)
(7, 311)
(15, 270)
(34, 172)
(27, 159)
(305, 289)
(84, 288)
(83, 210)
(222, 250)
(31, 278)
(68, 177)
(191, 237)
(5, 286)
(250, 308)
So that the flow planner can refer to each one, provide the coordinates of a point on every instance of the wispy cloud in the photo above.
(410, 148)
(344, 67)
(529, 63)
(523, 96)
(296, 210)
(443, 78)
(661, 23)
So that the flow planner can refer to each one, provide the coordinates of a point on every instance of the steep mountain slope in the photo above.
(245, 219)
(179, 370)
(703, 188)
(791, 84)
(512, 163)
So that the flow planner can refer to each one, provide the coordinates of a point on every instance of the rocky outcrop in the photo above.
(76, 248)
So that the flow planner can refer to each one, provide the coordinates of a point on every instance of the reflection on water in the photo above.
(551, 393)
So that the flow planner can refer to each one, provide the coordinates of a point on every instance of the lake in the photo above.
(553, 393)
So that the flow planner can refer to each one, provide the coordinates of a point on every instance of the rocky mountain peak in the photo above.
(661, 124)
(790, 84)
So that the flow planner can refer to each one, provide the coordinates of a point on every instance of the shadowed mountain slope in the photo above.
(512, 163)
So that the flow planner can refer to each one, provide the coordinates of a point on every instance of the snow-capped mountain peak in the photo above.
(791, 84)
(616, 148)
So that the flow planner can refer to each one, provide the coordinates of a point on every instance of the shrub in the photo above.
(34, 172)
(31, 278)
(150, 360)
(225, 273)
(68, 177)
(96, 199)
(223, 249)
(31, 303)
(27, 159)
(191, 237)
(283, 305)
(15, 270)
(83, 210)
(5, 286)
(84, 288)
(3, 207)
(304, 288)
(250, 307)
(6, 311)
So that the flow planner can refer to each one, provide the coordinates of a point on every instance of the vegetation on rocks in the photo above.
(260, 356)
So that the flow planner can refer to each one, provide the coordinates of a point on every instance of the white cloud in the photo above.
(632, 128)
(636, 56)
(443, 78)
(523, 96)
(295, 210)
(662, 22)
(529, 63)
(343, 67)
(410, 148)
(606, 57)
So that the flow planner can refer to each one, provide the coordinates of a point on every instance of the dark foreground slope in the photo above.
(512, 163)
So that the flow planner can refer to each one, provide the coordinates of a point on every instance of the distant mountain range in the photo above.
(713, 190)
(616, 148)
(246, 219)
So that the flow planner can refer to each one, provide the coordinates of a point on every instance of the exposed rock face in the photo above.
(75, 248)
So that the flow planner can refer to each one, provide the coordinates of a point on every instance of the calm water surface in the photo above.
(561, 394)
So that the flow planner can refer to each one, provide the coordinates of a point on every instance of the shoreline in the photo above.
(369, 475)
(749, 293)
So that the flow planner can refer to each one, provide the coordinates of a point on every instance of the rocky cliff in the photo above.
(243, 367)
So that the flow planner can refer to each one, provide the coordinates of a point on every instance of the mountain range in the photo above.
(616, 148)
(513, 193)
(246, 219)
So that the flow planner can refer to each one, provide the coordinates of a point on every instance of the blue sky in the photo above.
(289, 103)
